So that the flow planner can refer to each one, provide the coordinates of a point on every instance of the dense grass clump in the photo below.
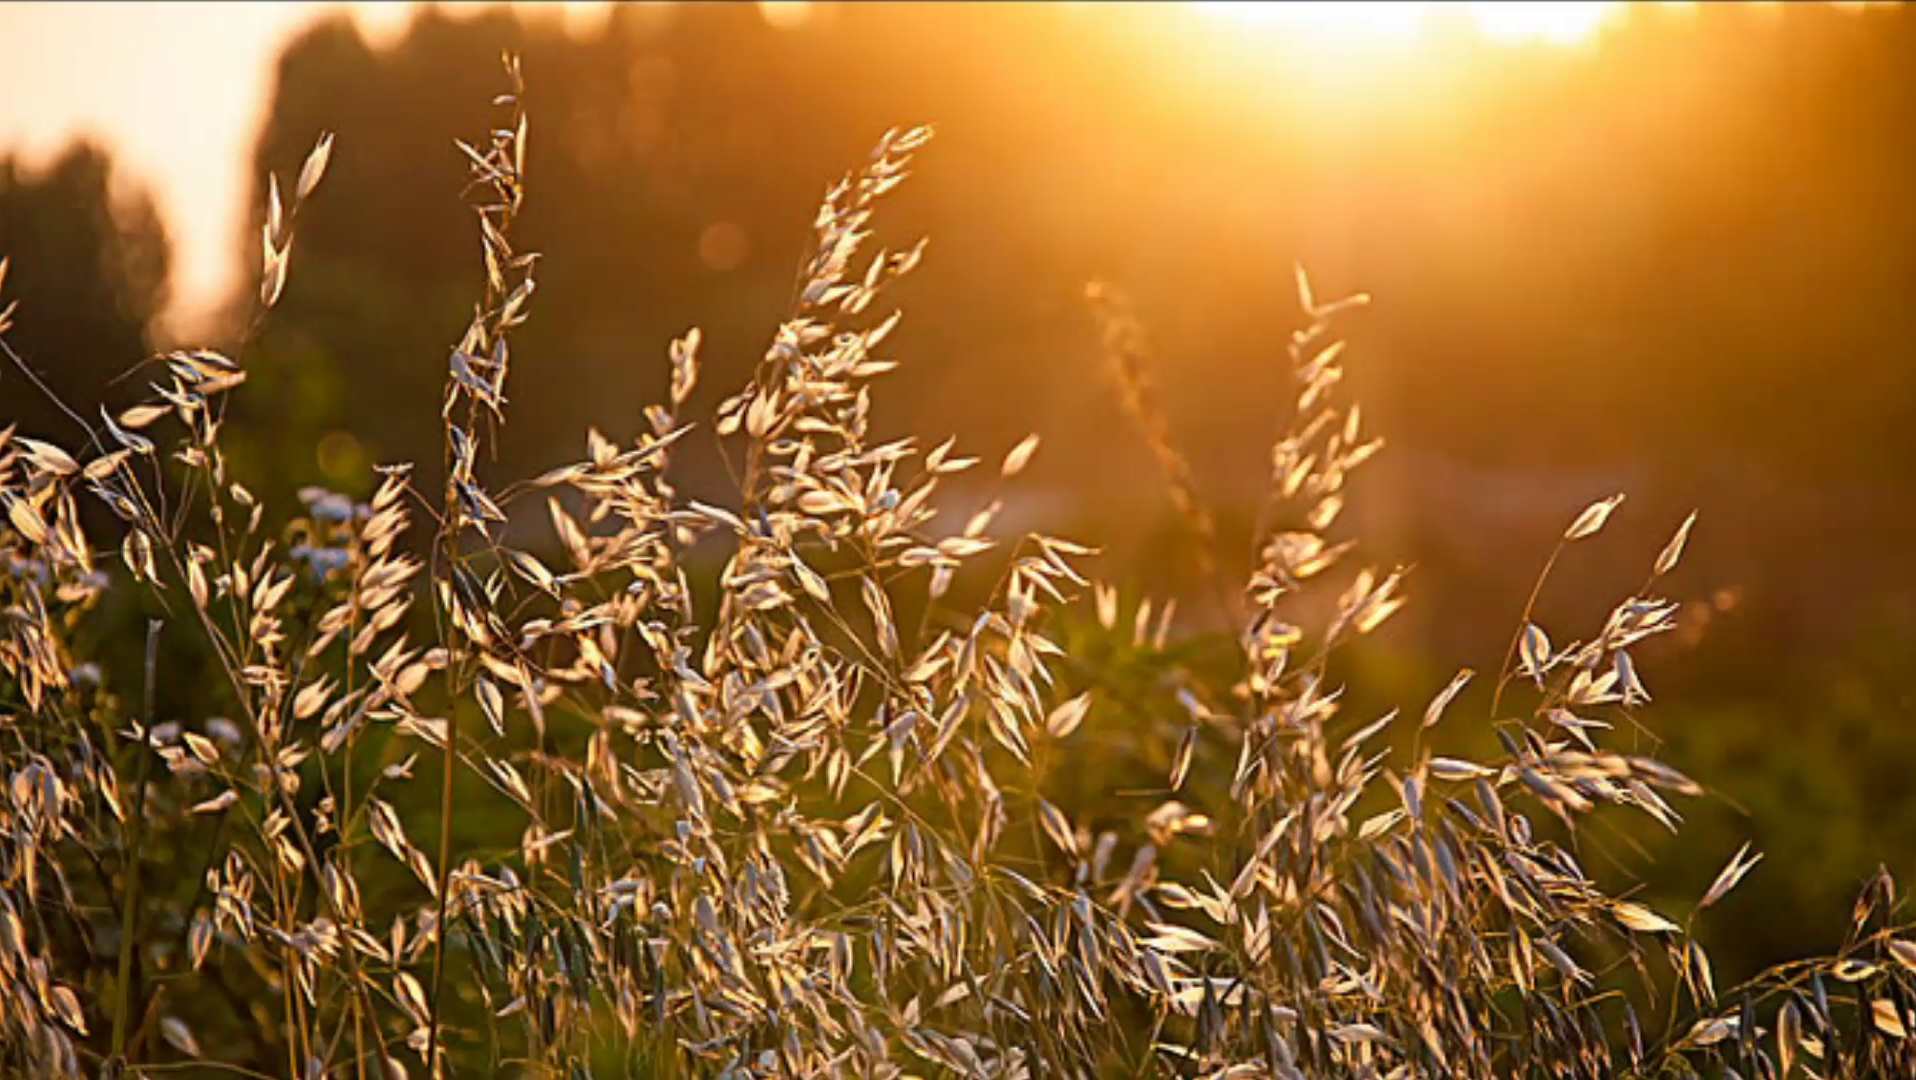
(803, 815)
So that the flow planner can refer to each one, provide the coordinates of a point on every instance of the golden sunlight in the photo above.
(1538, 20)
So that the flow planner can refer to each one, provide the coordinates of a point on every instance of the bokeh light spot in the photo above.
(340, 456)
(723, 246)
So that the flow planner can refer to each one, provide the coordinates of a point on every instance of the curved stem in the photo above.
(1529, 608)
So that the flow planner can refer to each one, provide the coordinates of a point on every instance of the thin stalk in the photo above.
(1529, 608)
(445, 874)
(122, 1008)
(286, 991)
(495, 327)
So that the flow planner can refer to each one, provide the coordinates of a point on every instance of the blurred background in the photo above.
(1666, 249)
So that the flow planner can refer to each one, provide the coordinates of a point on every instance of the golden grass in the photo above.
(803, 836)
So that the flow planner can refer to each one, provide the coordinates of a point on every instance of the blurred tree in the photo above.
(88, 266)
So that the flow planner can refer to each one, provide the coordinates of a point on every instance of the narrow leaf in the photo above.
(1592, 518)
(1673, 550)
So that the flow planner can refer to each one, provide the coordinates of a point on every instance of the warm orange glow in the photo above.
(1561, 22)
(177, 89)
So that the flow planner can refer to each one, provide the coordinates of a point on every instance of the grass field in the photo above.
(575, 774)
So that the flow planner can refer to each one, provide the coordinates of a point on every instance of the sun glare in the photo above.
(1559, 22)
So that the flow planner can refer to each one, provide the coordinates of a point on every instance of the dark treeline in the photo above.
(1688, 241)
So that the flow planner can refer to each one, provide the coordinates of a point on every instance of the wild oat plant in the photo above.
(801, 835)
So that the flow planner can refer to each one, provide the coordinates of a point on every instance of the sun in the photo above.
(1563, 21)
